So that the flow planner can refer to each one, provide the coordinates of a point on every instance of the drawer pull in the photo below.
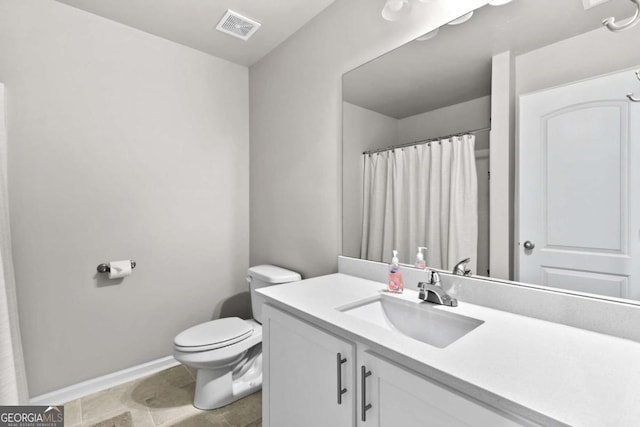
(363, 385)
(339, 361)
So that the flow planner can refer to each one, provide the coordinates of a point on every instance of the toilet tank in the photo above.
(267, 275)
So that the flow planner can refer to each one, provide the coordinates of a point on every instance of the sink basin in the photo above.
(422, 321)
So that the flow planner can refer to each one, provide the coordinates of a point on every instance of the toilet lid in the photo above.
(214, 334)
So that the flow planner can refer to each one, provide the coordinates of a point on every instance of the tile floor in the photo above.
(163, 399)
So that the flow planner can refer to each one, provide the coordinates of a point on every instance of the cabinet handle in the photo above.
(339, 361)
(363, 386)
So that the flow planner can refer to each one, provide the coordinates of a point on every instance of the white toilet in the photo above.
(227, 353)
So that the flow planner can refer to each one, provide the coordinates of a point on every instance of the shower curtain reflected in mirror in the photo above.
(422, 195)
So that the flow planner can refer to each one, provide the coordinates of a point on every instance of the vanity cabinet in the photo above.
(308, 374)
(314, 378)
(394, 396)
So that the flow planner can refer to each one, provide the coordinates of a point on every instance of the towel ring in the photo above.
(630, 95)
(610, 22)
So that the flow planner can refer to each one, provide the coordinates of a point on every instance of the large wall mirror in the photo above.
(574, 189)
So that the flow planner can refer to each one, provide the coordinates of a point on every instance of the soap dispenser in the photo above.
(395, 283)
(420, 261)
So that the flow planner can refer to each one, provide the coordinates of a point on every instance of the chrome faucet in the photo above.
(432, 291)
(461, 268)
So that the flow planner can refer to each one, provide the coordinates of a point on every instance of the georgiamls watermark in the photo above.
(31, 416)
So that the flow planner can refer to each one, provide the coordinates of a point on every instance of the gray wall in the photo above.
(587, 55)
(296, 133)
(121, 145)
(469, 115)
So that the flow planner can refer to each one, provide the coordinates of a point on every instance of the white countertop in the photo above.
(541, 370)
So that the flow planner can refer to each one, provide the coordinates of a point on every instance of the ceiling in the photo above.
(192, 22)
(455, 66)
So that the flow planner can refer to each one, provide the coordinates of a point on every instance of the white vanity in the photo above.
(329, 360)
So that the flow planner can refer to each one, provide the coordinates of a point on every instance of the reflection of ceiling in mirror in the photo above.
(455, 66)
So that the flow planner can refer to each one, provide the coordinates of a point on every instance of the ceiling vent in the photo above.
(236, 25)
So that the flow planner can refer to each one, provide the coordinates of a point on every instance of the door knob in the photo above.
(529, 245)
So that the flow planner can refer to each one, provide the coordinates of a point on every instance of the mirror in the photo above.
(443, 86)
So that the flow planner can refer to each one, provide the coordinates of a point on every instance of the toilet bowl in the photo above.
(227, 353)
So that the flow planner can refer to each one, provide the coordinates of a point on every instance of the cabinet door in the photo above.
(305, 370)
(398, 397)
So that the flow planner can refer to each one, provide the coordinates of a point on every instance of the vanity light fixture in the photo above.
(396, 9)
(499, 2)
(588, 4)
(464, 18)
(428, 36)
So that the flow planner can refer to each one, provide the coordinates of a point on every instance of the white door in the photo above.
(579, 187)
(395, 397)
(308, 374)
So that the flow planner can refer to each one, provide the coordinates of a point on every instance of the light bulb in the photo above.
(462, 19)
(428, 36)
(395, 9)
(395, 5)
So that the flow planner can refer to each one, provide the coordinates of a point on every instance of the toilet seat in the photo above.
(213, 334)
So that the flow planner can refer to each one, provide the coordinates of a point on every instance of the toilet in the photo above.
(227, 353)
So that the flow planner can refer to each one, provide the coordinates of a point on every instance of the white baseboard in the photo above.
(85, 388)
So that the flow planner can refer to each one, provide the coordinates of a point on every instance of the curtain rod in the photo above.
(425, 141)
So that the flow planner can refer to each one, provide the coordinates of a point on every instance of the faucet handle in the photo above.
(460, 268)
(435, 278)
